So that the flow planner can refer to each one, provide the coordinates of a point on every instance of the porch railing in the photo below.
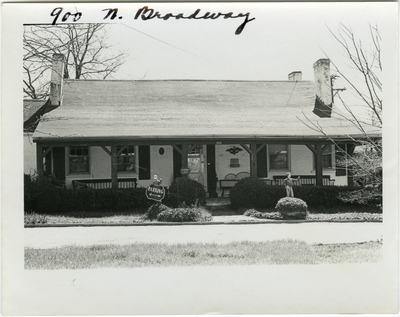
(104, 183)
(307, 180)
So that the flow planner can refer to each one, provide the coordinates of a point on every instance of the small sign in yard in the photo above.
(155, 191)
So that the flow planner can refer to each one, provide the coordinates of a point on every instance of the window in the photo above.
(79, 159)
(326, 157)
(126, 159)
(278, 156)
(234, 162)
(196, 149)
(194, 159)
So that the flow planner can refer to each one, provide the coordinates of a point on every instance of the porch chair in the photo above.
(228, 182)
(242, 175)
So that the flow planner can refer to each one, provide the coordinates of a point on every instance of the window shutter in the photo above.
(59, 162)
(144, 162)
(177, 162)
(339, 155)
(262, 162)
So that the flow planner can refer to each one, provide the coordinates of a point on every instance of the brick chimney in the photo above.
(56, 83)
(323, 88)
(295, 76)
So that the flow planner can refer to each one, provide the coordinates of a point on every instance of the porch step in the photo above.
(220, 206)
(217, 202)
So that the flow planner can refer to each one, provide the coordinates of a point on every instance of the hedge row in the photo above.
(185, 191)
(42, 198)
(254, 193)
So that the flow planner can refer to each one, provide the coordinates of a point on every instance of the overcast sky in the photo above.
(284, 37)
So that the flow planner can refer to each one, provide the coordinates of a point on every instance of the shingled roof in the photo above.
(96, 109)
(33, 110)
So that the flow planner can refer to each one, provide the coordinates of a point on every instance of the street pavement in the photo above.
(311, 233)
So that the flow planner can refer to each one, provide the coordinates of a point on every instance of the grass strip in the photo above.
(194, 254)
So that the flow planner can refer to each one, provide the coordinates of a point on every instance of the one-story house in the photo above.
(33, 110)
(122, 133)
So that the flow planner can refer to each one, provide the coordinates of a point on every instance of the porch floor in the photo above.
(220, 206)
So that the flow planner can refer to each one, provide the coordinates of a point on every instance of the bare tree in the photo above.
(366, 162)
(86, 51)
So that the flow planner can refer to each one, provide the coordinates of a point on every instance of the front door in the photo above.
(59, 162)
(196, 164)
(211, 171)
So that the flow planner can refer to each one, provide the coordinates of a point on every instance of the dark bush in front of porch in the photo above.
(253, 193)
(185, 192)
(45, 198)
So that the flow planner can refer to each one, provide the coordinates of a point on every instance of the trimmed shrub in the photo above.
(185, 191)
(263, 215)
(250, 192)
(155, 210)
(292, 208)
(43, 197)
(40, 195)
(184, 215)
(321, 196)
(30, 193)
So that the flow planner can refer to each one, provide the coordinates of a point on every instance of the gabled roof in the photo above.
(31, 106)
(96, 109)
(33, 110)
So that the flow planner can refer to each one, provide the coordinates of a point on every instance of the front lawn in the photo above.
(137, 216)
(192, 254)
(318, 217)
(100, 217)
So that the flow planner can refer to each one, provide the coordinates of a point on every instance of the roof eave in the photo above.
(211, 139)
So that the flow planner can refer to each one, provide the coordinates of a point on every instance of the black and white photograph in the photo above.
(200, 158)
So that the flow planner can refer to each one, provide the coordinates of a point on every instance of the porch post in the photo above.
(350, 150)
(253, 160)
(39, 159)
(114, 167)
(185, 152)
(318, 164)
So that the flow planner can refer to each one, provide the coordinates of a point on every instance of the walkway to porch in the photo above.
(220, 206)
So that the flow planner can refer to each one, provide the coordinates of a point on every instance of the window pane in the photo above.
(126, 159)
(278, 156)
(194, 164)
(196, 149)
(327, 160)
(327, 157)
(79, 164)
(79, 159)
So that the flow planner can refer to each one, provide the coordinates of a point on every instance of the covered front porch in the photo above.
(216, 163)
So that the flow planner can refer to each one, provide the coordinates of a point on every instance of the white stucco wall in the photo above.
(29, 154)
(301, 160)
(222, 160)
(100, 167)
(300, 163)
(161, 165)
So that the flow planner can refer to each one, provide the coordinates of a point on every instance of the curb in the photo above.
(136, 224)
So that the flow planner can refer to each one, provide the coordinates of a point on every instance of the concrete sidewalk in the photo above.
(312, 233)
